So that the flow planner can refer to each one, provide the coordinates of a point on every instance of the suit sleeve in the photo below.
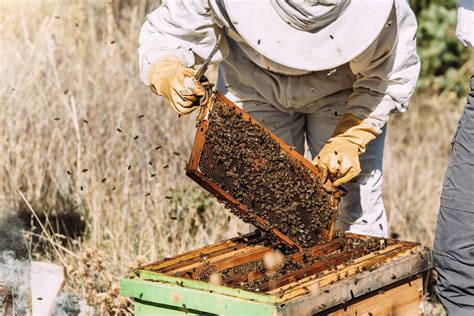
(387, 70)
(186, 29)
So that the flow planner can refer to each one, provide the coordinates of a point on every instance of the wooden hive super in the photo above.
(351, 275)
(260, 178)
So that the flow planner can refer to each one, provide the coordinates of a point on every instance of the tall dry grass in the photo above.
(416, 156)
(70, 81)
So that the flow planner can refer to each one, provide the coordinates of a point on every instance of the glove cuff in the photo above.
(353, 129)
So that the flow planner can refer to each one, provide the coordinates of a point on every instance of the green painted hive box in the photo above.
(352, 275)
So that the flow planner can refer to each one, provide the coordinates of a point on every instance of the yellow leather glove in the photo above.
(171, 80)
(339, 157)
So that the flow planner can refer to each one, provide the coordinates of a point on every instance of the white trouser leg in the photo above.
(361, 210)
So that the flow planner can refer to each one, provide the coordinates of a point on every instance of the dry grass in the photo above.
(66, 90)
(70, 79)
(416, 155)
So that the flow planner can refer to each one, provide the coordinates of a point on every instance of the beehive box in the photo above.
(352, 274)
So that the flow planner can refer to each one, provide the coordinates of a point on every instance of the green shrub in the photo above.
(441, 53)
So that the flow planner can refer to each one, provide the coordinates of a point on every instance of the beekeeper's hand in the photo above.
(171, 80)
(338, 160)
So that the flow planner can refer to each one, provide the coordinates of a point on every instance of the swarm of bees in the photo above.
(135, 137)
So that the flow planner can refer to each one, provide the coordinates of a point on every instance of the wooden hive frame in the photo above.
(194, 172)
(316, 288)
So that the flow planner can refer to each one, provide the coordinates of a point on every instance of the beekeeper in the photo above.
(327, 72)
(454, 239)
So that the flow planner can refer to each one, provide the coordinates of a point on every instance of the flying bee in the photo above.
(141, 116)
(136, 137)
(153, 175)
(103, 180)
(84, 170)
(57, 118)
(85, 121)
(119, 130)
(157, 147)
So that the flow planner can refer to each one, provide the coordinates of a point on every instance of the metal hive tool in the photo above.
(250, 170)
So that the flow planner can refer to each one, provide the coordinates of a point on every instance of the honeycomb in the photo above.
(247, 162)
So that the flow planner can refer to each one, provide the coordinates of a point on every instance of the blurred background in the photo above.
(92, 163)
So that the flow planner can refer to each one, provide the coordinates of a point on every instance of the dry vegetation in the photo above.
(70, 81)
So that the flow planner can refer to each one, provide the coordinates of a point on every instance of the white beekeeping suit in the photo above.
(301, 68)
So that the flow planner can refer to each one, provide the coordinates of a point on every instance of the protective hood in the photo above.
(310, 35)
